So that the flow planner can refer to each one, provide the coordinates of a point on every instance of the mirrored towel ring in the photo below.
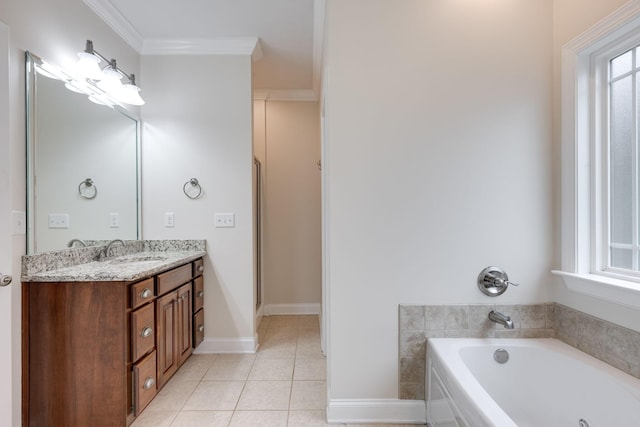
(192, 188)
(87, 189)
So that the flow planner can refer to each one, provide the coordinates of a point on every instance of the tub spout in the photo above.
(504, 320)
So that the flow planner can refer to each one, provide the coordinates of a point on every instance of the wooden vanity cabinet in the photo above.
(96, 353)
(198, 302)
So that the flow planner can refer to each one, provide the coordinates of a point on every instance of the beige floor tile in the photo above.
(310, 369)
(214, 396)
(230, 368)
(308, 395)
(316, 418)
(265, 395)
(259, 419)
(173, 396)
(308, 348)
(202, 419)
(272, 369)
(194, 368)
(154, 419)
(309, 322)
(278, 348)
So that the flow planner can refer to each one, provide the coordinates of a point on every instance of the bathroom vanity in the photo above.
(100, 339)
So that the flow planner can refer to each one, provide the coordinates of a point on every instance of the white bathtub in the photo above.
(545, 383)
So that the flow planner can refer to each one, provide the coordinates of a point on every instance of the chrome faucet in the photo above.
(106, 253)
(74, 241)
(504, 320)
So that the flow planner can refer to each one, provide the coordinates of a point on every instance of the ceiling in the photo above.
(283, 36)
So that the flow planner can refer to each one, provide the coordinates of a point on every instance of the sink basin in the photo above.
(134, 259)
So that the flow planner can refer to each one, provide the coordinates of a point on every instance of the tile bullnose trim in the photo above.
(387, 411)
(227, 345)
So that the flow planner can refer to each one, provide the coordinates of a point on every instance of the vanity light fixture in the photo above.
(108, 79)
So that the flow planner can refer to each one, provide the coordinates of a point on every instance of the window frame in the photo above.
(581, 164)
(600, 70)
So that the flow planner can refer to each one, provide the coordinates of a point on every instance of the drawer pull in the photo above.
(146, 332)
(146, 293)
(201, 268)
(201, 328)
(148, 383)
(200, 294)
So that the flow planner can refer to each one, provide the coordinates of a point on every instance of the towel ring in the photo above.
(87, 189)
(195, 187)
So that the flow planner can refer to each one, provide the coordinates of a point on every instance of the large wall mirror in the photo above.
(82, 165)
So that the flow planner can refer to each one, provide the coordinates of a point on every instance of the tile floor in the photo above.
(283, 384)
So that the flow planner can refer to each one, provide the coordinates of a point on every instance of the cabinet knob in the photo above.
(201, 328)
(201, 294)
(201, 268)
(146, 332)
(146, 293)
(148, 383)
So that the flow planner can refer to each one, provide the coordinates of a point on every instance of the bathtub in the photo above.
(544, 383)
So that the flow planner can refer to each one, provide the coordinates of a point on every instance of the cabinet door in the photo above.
(185, 314)
(166, 331)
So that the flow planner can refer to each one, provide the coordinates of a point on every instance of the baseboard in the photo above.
(376, 411)
(282, 309)
(227, 345)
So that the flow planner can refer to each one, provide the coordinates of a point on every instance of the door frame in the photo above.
(10, 370)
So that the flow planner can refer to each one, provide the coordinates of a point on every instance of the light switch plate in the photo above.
(225, 219)
(18, 223)
(114, 220)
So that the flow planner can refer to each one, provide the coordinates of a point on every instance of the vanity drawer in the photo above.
(198, 328)
(143, 337)
(142, 292)
(198, 293)
(144, 381)
(198, 267)
(174, 278)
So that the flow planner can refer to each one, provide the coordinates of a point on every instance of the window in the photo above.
(601, 159)
(618, 67)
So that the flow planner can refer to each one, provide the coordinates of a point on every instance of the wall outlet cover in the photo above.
(58, 220)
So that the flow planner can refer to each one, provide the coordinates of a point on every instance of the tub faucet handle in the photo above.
(493, 281)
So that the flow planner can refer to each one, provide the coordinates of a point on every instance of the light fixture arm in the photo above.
(111, 62)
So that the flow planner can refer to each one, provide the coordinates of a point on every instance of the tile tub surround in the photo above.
(613, 344)
(40, 265)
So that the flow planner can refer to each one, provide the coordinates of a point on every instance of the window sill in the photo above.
(614, 290)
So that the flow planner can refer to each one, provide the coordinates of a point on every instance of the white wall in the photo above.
(292, 217)
(49, 30)
(438, 134)
(571, 18)
(198, 124)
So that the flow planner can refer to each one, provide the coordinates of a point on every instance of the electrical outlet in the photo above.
(58, 220)
(114, 220)
(169, 219)
(225, 220)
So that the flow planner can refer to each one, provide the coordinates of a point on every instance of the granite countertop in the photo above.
(134, 263)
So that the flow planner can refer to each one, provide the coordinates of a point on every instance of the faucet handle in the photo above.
(493, 281)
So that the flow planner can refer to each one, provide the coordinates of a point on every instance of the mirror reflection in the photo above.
(82, 166)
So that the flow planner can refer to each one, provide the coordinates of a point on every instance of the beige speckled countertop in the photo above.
(124, 268)
(135, 261)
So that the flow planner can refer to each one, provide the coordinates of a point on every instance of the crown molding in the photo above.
(285, 95)
(114, 19)
(213, 46)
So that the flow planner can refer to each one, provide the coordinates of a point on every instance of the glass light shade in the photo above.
(131, 95)
(100, 100)
(87, 66)
(111, 83)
